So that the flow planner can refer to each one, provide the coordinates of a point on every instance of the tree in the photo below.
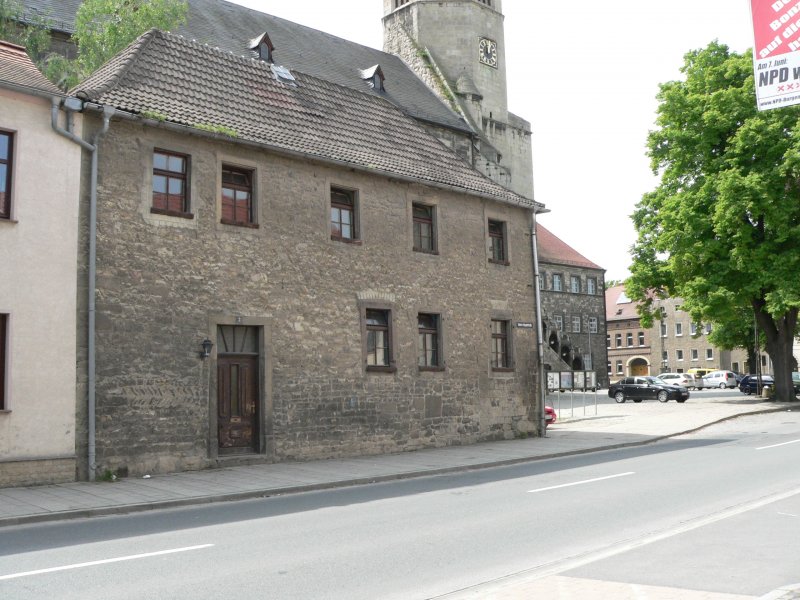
(34, 37)
(722, 228)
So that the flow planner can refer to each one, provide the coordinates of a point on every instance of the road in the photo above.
(716, 511)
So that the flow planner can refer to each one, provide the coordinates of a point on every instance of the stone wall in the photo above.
(165, 283)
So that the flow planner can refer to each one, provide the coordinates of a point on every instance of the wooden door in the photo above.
(237, 395)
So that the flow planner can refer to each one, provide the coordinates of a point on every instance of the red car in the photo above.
(549, 415)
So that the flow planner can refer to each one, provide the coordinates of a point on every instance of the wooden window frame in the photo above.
(501, 346)
(183, 177)
(8, 161)
(368, 329)
(350, 204)
(498, 241)
(249, 187)
(418, 222)
(435, 335)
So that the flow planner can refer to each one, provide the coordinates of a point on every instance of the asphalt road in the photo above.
(718, 511)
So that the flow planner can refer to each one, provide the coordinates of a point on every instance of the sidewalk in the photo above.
(615, 426)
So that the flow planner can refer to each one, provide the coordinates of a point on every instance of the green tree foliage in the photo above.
(722, 229)
(35, 37)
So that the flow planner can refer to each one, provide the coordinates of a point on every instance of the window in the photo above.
(693, 328)
(379, 353)
(678, 328)
(497, 237)
(608, 365)
(735, 367)
(608, 340)
(663, 330)
(576, 324)
(591, 285)
(237, 197)
(592, 324)
(664, 356)
(424, 233)
(694, 354)
(559, 322)
(170, 179)
(575, 284)
(618, 340)
(428, 345)
(619, 367)
(641, 338)
(3, 343)
(629, 339)
(344, 226)
(500, 347)
(679, 354)
(557, 284)
(708, 327)
(6, 164)
(677, 307)
(709, 354)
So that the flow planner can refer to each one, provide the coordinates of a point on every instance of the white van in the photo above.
(720, 379)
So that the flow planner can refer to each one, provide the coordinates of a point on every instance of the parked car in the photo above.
(645, 388)
(699, 372)
(751, 385)
(549, 415)
(685, 379)
(720, 379)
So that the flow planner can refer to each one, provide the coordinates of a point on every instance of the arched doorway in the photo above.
(638, 366)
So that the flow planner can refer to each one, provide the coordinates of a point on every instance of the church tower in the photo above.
(458, 48)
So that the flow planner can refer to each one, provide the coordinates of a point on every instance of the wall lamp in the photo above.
(207, 344)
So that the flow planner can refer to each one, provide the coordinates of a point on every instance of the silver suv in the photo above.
(685, 379)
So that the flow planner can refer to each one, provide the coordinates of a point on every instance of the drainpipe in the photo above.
(72, 105)
(539, 413)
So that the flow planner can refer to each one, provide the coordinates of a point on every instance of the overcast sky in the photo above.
(585, 74)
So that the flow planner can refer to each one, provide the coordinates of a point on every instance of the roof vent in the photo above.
(283, 74)
(263, 46)
(374, 78)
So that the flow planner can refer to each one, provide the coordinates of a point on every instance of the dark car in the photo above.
(646, 388)
(751, 385)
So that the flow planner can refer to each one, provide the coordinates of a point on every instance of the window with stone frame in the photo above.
(501, 345)
(344, 215)
(238, 207)
(557, 282)
(619, 367)
(424, 228)
(497, 242)
(618, 340)
(695, 354)
(641, 338)
(575, 284)
(576, 324)
(608, 366)
(429, 341)
(678, 329)
(608, 340)
(709, 354)
(591, 286)
(679, 355)
(379, 339)
(3, 359)
(559, 322)
(170, 183)
(592, 324)
(6, 168)
(629, 339)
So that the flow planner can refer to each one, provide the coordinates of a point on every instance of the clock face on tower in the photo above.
(487, 52)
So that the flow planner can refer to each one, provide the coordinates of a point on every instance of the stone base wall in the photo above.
(40, 471)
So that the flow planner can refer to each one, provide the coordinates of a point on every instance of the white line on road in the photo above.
(563, 485)
(776, 445)
(103, 562)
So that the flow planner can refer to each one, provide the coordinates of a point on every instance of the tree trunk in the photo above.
(779, 335)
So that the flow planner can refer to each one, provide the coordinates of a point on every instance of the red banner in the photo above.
(776, 52)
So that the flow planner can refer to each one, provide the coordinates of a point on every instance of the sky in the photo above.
(585, 74)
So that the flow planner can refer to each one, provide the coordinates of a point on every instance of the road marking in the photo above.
(563, 485)
(103, 562)
(776, 445)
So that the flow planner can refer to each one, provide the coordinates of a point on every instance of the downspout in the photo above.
(539, 412)
(72, 105)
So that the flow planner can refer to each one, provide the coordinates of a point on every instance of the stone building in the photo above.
(573, 307)
(357, 285)
(39, 246)
(672, 345)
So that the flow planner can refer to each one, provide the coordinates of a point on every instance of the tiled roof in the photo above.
(187, 83)
(17, 68)
(618, 305)
(553, 250)
(231, 27)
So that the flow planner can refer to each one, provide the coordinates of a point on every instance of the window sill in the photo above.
(504, 263)
(239, 224)
(376, 369)
(171, 213)
(424, 251)
(8, 220)
(338, 238)
(502, 370)
(431, 369)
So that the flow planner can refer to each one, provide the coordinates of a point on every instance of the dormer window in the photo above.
(374, 78)
(263, 46)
